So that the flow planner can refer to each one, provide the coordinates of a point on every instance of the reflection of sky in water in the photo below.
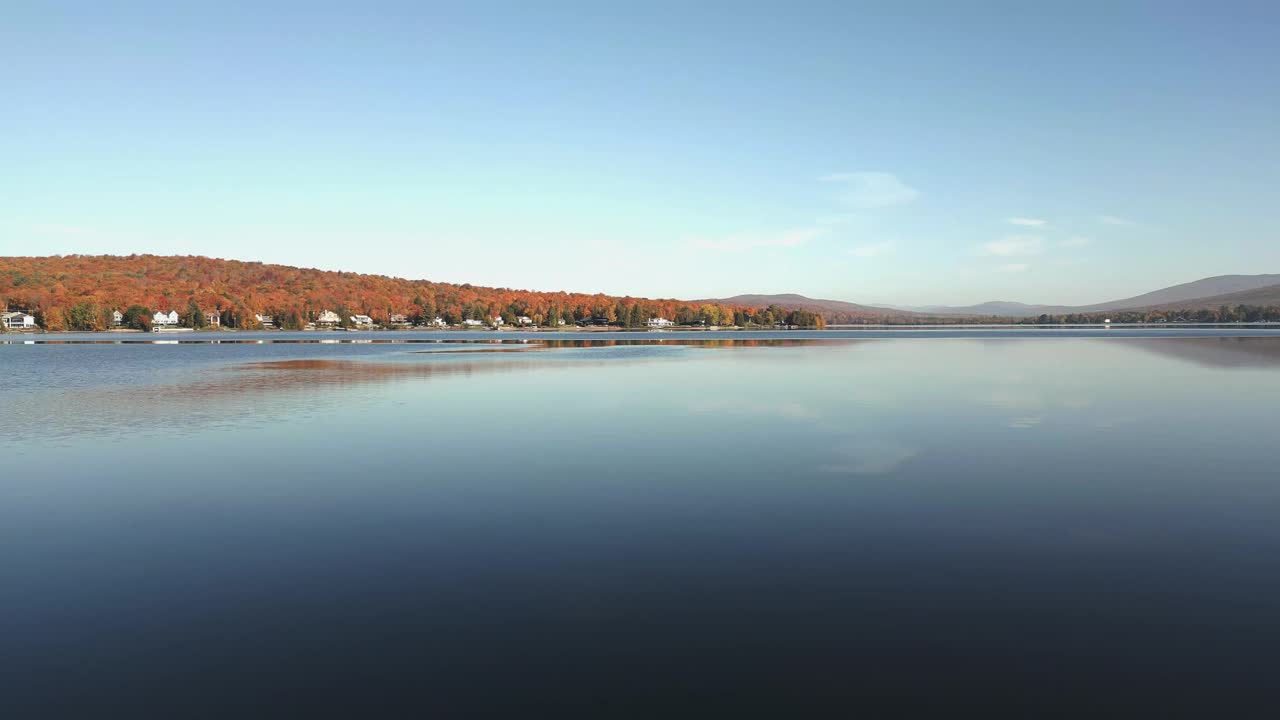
(611, 510)
(872, 404)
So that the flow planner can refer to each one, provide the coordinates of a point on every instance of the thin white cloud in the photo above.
(753, 241)
(1013, 267)
(872, 190)
(1028, 222)
(1011, 245)
(1114, 220)
(872, 250)
(1075, 241)
(836, 219)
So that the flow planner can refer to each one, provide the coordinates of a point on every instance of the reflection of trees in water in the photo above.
(250, 393)
(265, 391)
(719, 343)
(1222, 352)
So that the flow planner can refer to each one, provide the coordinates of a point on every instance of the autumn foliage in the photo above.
(79, 292)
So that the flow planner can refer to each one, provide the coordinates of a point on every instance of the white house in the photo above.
(524, 320)
(328, 317)
(659, 322)
(18, 321)
(163, 319)
(265, 320)
(362, 320)
(117, 318)
(497, 321)
(213, 319)
(438, 322)
(471, 323)
(399, 319)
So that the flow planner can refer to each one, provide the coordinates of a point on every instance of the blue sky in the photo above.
(911, 153)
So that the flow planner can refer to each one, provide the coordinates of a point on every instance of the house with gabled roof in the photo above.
(14, 320)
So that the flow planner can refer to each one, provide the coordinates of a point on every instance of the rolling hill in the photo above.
(835, 311)
(81, 291)
(1264, 296)
(1203, 293)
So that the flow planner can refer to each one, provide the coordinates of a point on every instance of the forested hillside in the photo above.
(79, 292)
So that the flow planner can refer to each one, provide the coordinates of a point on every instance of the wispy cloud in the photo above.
(1013, 267)
(872, 250)
(836, 219)
(752, 241)
(1011, 245)
(1113, 220)
(1075, 241)
(872, 190)
(1028, 222)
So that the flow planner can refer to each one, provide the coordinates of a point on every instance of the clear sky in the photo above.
(912, 153)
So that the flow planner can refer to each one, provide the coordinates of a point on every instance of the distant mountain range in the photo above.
(1206, 293)
(830, 309)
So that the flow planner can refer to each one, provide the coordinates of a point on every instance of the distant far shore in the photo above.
(685, 329)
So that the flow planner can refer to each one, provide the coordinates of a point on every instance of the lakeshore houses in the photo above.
(17, 321)
(266, 321)
(213, 319)
(496, 320)
(398, 319)
(327, 318)
(659, 322)
(438, 322)
(472, 323)
(165, 319)
(117, 318)
(524, 320)
(362, 321)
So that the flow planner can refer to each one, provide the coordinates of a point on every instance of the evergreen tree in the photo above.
(194, 318)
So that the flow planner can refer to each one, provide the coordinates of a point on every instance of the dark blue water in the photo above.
(1070, 522)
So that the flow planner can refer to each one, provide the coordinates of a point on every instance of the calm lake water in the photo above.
(616, 525)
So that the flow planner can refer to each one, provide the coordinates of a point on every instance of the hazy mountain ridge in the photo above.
(801, 302)
(1268, 295)
(1210, 292)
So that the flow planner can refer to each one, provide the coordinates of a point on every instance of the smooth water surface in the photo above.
(649, 524)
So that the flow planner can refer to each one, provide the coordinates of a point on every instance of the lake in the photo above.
(648, 524)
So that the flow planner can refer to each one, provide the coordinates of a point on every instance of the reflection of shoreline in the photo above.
(1219, 352)
(868, 332)
(254, 391)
